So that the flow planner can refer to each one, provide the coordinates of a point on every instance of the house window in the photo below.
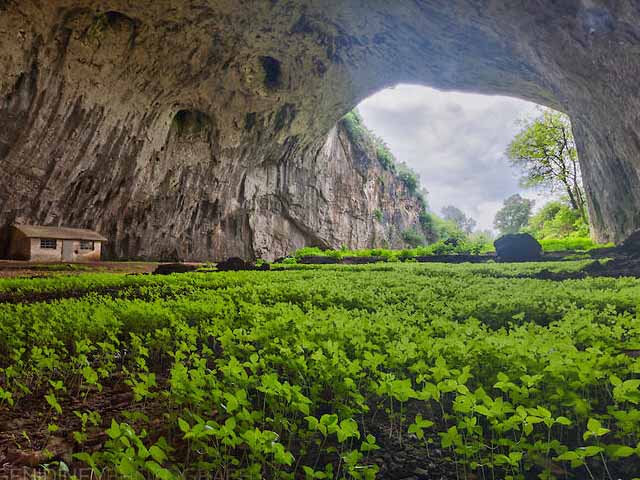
(48, 243)
(86, 244)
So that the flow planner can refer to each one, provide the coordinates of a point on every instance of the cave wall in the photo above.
(339, 195)
(191, 129)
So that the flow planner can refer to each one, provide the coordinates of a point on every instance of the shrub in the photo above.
(356, 131)
(408, 177)
(386, 158)
(413, 238)
(570, 243)
(247, 374)
(557, 220)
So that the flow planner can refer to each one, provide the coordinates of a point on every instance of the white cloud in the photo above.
(455, 141)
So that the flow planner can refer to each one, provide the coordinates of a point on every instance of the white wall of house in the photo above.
(39, 254)
(45, 254)
(80, 255)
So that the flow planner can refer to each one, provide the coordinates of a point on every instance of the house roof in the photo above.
(61, 233)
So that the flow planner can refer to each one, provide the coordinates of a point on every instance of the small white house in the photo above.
(54, 244)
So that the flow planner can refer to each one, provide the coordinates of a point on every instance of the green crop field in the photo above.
(382, 371)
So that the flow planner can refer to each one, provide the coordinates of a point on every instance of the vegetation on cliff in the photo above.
(365, 139)
(430, 228)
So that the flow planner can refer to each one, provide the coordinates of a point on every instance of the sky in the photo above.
(455, 142)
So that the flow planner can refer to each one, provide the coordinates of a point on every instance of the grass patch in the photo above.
(280, 374)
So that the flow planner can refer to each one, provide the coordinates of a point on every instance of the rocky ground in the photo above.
(620, 261)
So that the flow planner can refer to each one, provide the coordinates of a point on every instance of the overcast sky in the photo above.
(455, 141)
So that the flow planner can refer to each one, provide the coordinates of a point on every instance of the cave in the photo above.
(189, 124)
(276, 78)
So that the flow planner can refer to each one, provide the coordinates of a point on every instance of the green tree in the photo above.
(482, 236)
(428, 223)
(545, 151)
(457, 216)
(413, 238)
(514, 214)
(557, 219)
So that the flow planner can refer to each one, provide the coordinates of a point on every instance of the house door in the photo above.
(67, 250)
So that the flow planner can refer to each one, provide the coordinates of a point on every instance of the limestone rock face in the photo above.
(206, 128)
(340, 195)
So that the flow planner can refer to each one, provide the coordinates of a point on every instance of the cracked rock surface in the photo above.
(207, 128)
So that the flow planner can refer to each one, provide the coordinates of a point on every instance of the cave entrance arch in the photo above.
(455, 142)
(577, 57)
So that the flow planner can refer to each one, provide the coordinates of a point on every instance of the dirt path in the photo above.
(14, 268)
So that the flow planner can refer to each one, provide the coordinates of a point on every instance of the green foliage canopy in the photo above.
(457, 216)
(514, 214)
(545, 151)
(557, 219)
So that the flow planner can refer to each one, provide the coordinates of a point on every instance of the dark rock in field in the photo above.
(452, 258)
(318, 260)
(363, 260)
(234, 264)
(519, 247)
(620, 266)
(169, 268)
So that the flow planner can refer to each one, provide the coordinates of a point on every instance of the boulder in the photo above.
(519, 247)
(234, 264)
(169, 268)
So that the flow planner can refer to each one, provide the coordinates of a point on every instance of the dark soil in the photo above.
(169, 268)
(318, 260)
(14, 268)
(402, 455)
(617, 267)
(459, 258)
(236, 264)
(363, 260)
(34, 297)
(26, 444)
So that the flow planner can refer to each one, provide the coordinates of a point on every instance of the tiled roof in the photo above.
(62, 233)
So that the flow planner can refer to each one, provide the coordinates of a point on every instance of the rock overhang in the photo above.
(87, 83)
